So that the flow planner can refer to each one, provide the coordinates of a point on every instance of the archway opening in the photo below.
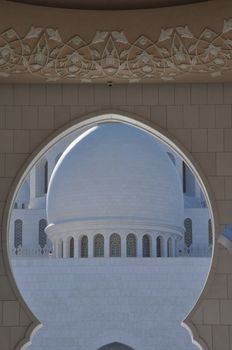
(158, 245)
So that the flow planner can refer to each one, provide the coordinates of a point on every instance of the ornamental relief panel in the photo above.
(110, 56)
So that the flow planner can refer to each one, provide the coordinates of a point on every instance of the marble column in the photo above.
(76, 247)
(64, 249)
(154, 246)
(139, 239)
(106, 246)
(123, 246)
(90, 246)
(164, 250)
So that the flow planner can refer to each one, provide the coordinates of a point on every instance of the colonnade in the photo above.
(115, 245)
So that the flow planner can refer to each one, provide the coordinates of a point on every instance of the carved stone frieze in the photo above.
(110, 56)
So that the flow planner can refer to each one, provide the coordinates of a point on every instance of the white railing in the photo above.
(195, 252)
(30, 252)
(39, 252)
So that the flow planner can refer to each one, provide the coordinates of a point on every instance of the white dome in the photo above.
(115, 173)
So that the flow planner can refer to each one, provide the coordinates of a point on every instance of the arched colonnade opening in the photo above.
(84, 246)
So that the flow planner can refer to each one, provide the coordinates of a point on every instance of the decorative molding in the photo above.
(110, 56)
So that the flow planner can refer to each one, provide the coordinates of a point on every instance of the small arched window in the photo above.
(169, 247)
(146, 246)
(99, 246)
(84, 247)
(115, 245)
(210, 233)
(131, 245)
(159, 247)
(42, 233)
(71, 248)
(18, 233)
(188, 239)
(46, 177)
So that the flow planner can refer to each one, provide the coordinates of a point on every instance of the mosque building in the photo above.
(143, 202)
(107, 243)
(177, 221)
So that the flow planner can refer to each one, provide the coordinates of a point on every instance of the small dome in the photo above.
(115, 172)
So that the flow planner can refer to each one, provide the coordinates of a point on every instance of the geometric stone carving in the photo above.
(110, 56)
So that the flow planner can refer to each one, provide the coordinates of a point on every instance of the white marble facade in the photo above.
(86, 304)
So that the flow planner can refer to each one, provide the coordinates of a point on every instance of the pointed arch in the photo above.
(181, 150)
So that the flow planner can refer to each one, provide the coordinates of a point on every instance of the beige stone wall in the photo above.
(197, 116)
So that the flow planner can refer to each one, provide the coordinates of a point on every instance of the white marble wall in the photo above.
(87, 303)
